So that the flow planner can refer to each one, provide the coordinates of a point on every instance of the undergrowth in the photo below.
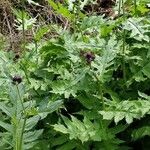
(84, 88)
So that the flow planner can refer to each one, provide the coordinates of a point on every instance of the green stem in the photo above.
(22, 132)
(100, 91)
(123, 57)
(76, 6)
(135, 8)
(74, 21)
(21, 101)
(25, 72)
(123, 46)
(119, 10)
(123, 9)
(105, 134)
(36, 50)
(36, 46)
(23, 32)
(19, 137)
(101, 95)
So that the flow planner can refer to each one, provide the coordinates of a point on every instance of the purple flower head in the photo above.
(89, 56)
(16, 79)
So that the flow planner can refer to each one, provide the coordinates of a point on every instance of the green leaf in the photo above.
(59, 140)
(108, 115)
(53, 49)
(77, 129)
(60, 9)
(31, 122)
(141, 132)
(126, 109)
(6, 109)
(118, 116)
(129, 118)
(67, 146)
(146, 70)
(32, 135)
(118, 128)
(6, 126)
(60, 128)
(143, 95)
(79, 125)
(137, 29)
(89, 101)
(51, 107)
(104, 62)
(41, 32)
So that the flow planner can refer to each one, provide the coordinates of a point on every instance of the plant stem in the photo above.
(123, 9)
(100, 91)
(19, 138)
(119, 10)
(19, 135)
(22, 132)
(104, 129)
(36, 50)
(102, 98)
(23, 67)
(123, 46)
(135, 8)
(23, 32)
(123, 57)
(21, 101)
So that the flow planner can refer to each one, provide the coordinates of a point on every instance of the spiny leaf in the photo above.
(137, 29)
(126, 109)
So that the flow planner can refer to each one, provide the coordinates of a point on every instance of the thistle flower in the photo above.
(16, 57)
(16, 79)
(89, 56)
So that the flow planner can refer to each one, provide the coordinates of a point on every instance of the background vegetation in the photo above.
(75, 75)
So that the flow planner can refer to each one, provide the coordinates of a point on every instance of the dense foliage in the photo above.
(85, 88)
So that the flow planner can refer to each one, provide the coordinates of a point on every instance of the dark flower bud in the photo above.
(16, 79)
(89, 56)
(17, 56)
